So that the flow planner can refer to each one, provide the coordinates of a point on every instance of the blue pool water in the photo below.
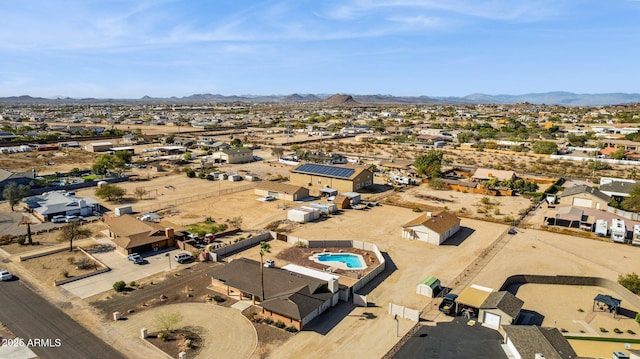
(351, 260)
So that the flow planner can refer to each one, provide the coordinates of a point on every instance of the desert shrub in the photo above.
(604, 330)
(273, 226)
(417, 209)
(218, 299)
(64, 273)
(71, 260)
(631, 332)
(163, 336)
(132, 284)
(20, 240)
(301, 244)
(508, 219)
(268, 321)
(85, 263)
(119, 286)
(631, 281)
(638, 318)
(190, 172)
(617, 331)
(279, 324)
(496, 211)
(485, 200)
(6, 239)
(291, 329)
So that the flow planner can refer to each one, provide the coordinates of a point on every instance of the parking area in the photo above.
(122, 269)
(456, 339)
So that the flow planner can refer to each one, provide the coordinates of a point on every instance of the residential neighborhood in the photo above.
(299, 247)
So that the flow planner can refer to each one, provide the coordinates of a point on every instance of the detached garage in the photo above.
(500, 308)
(432, 227)
(584, 196)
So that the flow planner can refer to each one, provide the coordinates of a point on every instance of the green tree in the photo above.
(108, 163)
(186, 156)
(72, 231)
(14, 193)
(429, 164)
(110, 192)
(167, 321)
(631, 281)
(545, 147)
(236, 142)
(632, 203)
(264, 249)
(190, 172)
(236, 222)
(125, 156)
(620, 154)
(140, 192)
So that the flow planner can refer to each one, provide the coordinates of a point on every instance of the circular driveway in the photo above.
(226, 332)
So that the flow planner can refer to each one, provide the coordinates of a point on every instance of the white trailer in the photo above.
(636, 235)
(602, 227)
(618, 230)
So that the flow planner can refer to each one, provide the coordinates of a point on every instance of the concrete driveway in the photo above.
(122, 269)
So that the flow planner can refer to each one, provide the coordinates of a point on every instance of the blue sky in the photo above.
(129, 48)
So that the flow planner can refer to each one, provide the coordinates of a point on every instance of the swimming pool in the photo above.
(341, 260)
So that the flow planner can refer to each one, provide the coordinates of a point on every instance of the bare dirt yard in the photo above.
(61, 265)
(48, 162)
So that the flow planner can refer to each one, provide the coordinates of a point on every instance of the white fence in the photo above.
(591, 159)
(404, 312)
(625, 214)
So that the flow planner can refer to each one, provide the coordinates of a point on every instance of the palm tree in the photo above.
(264, 248)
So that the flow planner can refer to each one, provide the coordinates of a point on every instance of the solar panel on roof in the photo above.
(324, 170)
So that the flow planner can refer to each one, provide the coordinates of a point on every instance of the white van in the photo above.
(183, 257)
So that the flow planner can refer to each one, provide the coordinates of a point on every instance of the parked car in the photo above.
(183, 257)
(5, 275)
(448, 305)
(269, 263)
(269, 198)
(135, 258)
(58, 219)
(70, 219)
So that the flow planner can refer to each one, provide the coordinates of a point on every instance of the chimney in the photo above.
(168, 232)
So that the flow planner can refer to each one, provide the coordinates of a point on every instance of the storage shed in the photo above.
(429, 287)
(326, 208)
(303, 214)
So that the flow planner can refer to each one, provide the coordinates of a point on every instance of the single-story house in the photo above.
(284, 191)
(292, 296)
(432, 227)
(500, 308)
(617, 189)
(20, 178)
(131, 235)
(527, 341)
(485, 174)
(584, 196)
(60, 203)
(572, 217)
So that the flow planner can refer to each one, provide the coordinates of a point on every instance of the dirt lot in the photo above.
(53, 267)
(48, 162)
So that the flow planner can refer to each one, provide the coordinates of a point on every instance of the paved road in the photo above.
(30, 316)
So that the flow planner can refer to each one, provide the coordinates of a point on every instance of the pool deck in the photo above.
(338, 264)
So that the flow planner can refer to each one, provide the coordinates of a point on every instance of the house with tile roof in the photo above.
(432, 227)
(131, 235)
(291, 297)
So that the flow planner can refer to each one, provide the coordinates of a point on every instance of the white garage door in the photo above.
(582, 202)
(491, 320)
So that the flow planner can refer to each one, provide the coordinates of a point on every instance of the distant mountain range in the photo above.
(549, 98)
